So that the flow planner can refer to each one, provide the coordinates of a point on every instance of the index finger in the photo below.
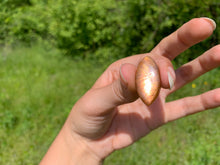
(186, 36)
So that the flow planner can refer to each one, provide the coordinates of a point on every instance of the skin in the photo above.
(110, 116)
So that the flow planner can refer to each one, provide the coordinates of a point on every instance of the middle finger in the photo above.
(193, 69)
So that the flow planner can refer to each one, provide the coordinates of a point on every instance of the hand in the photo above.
(110, 115)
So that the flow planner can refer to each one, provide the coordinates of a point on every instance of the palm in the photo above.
(135, 120)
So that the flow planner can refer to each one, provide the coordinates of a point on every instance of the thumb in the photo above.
(119, 92)
(93, 113)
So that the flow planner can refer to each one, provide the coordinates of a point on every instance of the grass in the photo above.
(38, 88)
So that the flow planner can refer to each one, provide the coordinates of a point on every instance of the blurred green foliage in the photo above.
(38, 84)
(119, 27)
(38, 88)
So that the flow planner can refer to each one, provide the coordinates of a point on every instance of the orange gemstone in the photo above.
(147, 80)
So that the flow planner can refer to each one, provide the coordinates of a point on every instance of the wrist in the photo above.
(69, 148)
(81, 153)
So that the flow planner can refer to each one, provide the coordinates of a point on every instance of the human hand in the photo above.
(110, 115)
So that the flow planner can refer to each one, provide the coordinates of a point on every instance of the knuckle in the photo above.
(216, 97)
(216, 53)
(118, 91)
(184, 73)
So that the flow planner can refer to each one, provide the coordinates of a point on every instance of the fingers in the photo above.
(190, 105)
(187, 35)
(192, 70)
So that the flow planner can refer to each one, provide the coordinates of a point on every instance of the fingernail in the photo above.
(171, 77)
(211, 21)
(121, 75)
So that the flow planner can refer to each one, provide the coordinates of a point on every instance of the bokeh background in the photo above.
(52, 51)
